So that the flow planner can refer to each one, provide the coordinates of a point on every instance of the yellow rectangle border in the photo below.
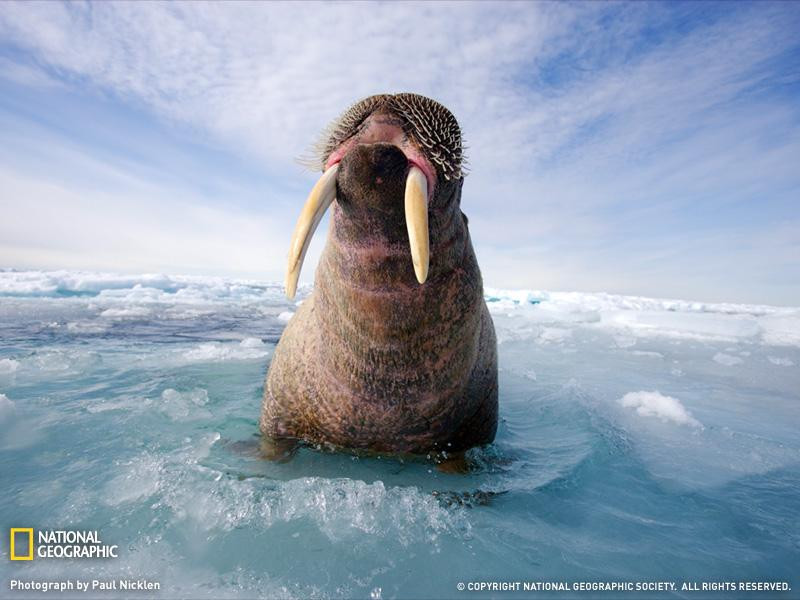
(13, 533)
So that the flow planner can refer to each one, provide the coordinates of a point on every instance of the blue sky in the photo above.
(640, 148)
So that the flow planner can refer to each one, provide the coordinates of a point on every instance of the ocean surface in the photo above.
(641, 440)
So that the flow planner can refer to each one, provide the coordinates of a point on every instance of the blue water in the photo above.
(129, 406)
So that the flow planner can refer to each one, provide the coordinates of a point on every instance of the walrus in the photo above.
(394, 351)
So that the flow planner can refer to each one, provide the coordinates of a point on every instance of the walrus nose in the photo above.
(372, 167)
(370, 173)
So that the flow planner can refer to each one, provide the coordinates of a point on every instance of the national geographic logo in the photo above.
(57, 543)
(24, 534)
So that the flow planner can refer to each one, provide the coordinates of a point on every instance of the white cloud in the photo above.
(270, 76)
(599, 153)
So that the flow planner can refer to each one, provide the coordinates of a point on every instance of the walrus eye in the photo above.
(417, 221)
(320, 198)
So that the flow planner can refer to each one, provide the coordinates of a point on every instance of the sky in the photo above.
(635, 148)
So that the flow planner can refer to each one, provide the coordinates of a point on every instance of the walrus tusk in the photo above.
(417, 221)
(320, 198)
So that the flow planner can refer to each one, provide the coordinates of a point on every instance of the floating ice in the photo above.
(253, 342)
(185, 405)
(781, 361)
(84, 327)
(782, 328)
(38, 283)
(554, 335)
(8, 365)
(247, 349)
(649, 353)
(727, 359)
(7, 408)
(43, 364)
(125, 313)
(147, 288)
(125, 404)
(632, 317)
(655, 404)
(139, 479)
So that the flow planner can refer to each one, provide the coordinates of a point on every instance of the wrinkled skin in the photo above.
(373, 360)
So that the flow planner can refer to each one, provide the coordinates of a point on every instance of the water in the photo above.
(640, 440)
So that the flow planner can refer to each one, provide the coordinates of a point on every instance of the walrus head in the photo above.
(390, 161)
